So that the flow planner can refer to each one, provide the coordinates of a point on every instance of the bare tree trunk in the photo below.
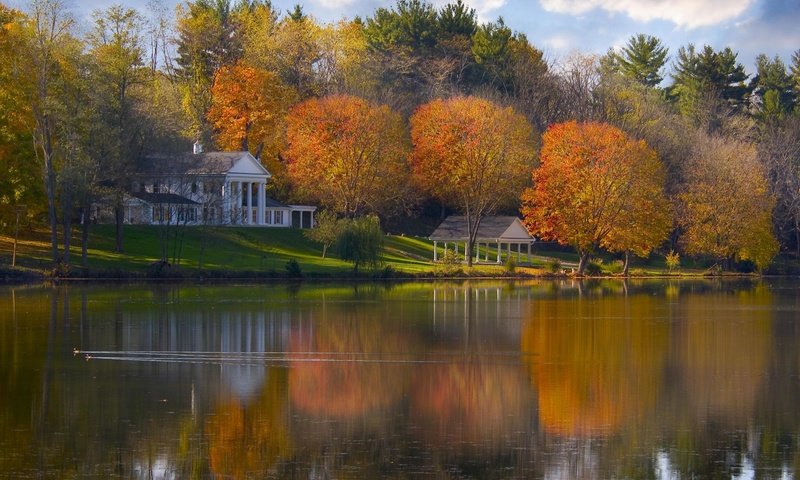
(50, 188)
(66, 223)
(627, 263)
(584, 259)
(119, 216)
(85, 214)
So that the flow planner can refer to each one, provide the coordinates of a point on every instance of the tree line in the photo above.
(410, 106)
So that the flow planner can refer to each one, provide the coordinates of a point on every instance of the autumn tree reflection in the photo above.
(245, 441)
(348, 366)
(597, 363)
(472, 404)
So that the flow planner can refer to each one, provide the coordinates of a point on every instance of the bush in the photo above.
(360, 241)
(593, 268)
(672, 260)
(511, 264)
(449, 264)
(293, 269)
(327, 228)
(554, 266)
(616, 267)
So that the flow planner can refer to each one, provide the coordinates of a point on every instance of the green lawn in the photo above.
(228, 251)
(222, 249)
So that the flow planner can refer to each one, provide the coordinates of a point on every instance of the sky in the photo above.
(562, 27)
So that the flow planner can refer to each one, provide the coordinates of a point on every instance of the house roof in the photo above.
(505, 228)
(164, 198)
(269, 202)
(207, 163)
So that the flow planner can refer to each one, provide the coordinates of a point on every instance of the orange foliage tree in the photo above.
(347, 154)
(472, 155)
(597, 187)
(248, 109)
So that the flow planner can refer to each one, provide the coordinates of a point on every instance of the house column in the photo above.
(435, 256)
(249, 203)
(499, 246)
(262, 200)
(240, 203)
(226, 203)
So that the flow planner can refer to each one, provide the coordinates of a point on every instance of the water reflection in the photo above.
(473, 380)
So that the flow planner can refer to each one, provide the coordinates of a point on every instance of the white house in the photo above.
(208, 188)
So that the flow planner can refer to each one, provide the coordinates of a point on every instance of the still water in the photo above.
(411, 380)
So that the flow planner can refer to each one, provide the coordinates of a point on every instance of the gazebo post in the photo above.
(519, 253)
(529, 253)
(435, 245)
(499, 246)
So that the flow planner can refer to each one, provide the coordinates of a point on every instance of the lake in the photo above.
(480, 379)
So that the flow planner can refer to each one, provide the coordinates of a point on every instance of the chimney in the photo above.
(197, 148)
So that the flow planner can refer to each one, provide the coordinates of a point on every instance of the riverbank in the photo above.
(208, 253)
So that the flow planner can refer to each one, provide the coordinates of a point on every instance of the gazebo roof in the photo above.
(492, 228)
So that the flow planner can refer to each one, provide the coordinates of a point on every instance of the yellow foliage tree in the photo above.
(726, 207)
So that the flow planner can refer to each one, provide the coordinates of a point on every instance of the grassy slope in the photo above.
(224, 249)
(242, 249)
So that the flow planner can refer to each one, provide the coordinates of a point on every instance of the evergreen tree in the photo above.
(642, 59)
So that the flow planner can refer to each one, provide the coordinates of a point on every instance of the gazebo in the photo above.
(495, 233)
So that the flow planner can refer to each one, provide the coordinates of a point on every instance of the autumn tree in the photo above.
(779, 151)
(726, 207)
(472, 155)
(347, 154)
(47, 47)
(209, 35)
(247, 109)
(327, 227)
(597, 188)
(20, 183)
(118, 56)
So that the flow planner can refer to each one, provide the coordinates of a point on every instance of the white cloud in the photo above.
(334, 4)
(684, 13)
(484, 8)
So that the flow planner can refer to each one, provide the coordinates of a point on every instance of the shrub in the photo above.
(293, 269)
(593, 268)
(672, 260)
(360, 241)
(554, 265)
(449, 264)
(511, 264)
(327, 228)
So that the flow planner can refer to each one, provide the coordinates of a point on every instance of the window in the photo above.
(278, 217)
(194, 187)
